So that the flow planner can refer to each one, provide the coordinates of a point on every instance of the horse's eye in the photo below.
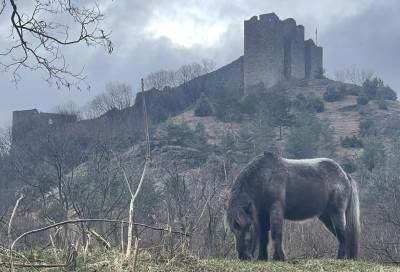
(236, 226)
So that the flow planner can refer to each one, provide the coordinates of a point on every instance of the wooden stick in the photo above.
(74, 221)
(147, 159)
(43, 265)
(10, 227)
(101, 239)
(131, 206)
(122, 237)
(135, 252)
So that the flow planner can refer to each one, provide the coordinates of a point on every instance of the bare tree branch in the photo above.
(40, 31)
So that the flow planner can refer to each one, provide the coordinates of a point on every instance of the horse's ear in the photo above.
(248, 209)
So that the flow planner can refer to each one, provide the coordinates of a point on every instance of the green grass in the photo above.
(113, 261)
(235, 265)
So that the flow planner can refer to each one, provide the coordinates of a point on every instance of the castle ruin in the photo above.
(275, 50)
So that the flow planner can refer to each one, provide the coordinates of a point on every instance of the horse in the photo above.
(271, 189)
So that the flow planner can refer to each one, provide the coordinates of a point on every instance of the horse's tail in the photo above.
(352, 222)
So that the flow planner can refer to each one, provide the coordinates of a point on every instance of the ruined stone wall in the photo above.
(314, 58)
(275, 50)
(263, 50)
(26, 122)
(298, 53)
(294, 58)
(124, 127)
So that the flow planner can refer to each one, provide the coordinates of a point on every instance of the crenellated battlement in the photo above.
(275, 49)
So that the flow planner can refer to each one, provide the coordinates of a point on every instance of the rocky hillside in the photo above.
(344, 115)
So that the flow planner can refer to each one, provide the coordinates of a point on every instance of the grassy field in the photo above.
(234, 265)
(115, 263)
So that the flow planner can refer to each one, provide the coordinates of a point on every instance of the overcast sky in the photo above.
(156, 34)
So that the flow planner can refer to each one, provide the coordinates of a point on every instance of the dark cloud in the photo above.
(357, 33)
(368, 41)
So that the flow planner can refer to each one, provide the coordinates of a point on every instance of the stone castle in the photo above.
(275, 50)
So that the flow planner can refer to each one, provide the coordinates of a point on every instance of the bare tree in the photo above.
(353, 75)
(39, 31)
(116, 96)
(185, 73)
(69, 108)
(161, 79)
(5, 141)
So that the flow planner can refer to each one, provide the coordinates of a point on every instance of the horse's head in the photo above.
(242, 221)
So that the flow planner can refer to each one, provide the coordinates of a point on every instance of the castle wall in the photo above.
(298, 54)
(28, 122)
(275, 50)
(263, 51)
(314, 58)
(124, 127)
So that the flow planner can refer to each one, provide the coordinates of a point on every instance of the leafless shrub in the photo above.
(170, 78)
(69, 108)
(353, 75)
(116, 96)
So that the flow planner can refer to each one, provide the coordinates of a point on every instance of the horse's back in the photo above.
(310, 185)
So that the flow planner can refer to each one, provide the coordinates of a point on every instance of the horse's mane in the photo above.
(244, 175)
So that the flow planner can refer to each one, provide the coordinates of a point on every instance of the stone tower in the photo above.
(275, 50)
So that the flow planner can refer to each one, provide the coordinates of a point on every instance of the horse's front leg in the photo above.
(263, 230)
(276, 222)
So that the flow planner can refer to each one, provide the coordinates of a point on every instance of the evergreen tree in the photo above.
(309, 137)
(277, 106)
(374, 153)
(203, 107)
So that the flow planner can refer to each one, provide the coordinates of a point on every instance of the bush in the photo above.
(351, 142)
(362, 99)
(308, 103)
(382, 104)
(309, 137)
(182, 135)
(332, 94)
(370, 87)
(318, 104)
(228, 110)
(353, 91)
(386, 93)
(374, 153)
(203, 107)
(367, 127)
(375, 89)
(348, 165)
(249, 104)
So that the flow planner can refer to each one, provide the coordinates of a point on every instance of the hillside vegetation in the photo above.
(195, 156)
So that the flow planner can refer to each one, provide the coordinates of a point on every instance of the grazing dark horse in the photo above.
(270, 189)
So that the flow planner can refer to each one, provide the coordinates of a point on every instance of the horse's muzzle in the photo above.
(245, 257)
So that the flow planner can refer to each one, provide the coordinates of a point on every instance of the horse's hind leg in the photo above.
(336, 223)
(276, 222)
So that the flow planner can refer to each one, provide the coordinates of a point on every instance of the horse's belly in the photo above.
(302, 214)
(303, 204)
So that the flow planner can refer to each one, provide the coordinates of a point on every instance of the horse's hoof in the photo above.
(280, 257)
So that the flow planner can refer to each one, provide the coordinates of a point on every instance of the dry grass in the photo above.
(115, 262)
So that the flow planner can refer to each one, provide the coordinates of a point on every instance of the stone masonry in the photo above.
(275, 50)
